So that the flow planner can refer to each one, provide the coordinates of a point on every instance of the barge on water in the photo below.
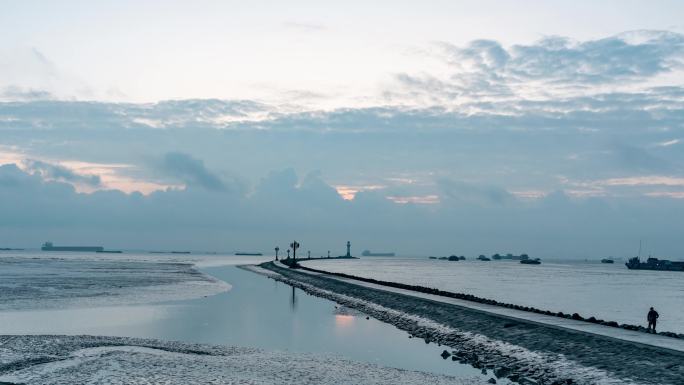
(528, 261)
(49, 246)
(654, 264)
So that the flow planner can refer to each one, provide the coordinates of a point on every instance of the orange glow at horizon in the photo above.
(349, 192)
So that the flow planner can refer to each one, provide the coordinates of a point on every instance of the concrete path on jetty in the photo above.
(651, 340)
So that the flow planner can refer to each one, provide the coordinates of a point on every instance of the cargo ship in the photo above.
(248, 254)
(654, 264)
(49, 246)
(368, 253)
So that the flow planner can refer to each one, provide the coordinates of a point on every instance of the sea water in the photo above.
(606, 291)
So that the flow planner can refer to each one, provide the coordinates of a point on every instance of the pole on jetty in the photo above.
(348, 249)
(308, 254)
(276, 250)
(294, 245)
(328, 253)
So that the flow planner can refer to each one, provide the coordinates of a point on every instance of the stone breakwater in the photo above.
(527, 353)
(472, 298)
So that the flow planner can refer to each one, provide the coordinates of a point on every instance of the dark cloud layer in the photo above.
(190, 171)
(61, 173)
(471, 219)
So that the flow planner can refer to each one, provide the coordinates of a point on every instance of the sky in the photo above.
(547, 127)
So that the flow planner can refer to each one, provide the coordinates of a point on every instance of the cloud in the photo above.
(650, 180)
(28, 74)
(668, 143)
(56, 172)
(470, 217)
(639, 159)
(190, 114)
(551, 68)
(16, 93)
(462, 193)
(629, 56)
(191, 171)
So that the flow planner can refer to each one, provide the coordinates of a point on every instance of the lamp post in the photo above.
(308, 254)
(294, 245)
(328, 253)
(276, 250)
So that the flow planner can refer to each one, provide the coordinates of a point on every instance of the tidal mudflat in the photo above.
(111, 360)
(66, 282)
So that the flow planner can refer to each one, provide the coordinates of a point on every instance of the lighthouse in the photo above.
(348, 255)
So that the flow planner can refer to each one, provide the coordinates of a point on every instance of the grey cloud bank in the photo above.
(469, 219)
(553, 67)
(629, 56)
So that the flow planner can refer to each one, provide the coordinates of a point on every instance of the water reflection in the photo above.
(343, 320)
(98, 320)
(255, 313)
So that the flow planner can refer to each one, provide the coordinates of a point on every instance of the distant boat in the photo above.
(109, 251)
(483, 258)
(169, 252)
(368, 253)
(654, 264)
(607, 260)
(9, 249)
(535, 261)
(49, 246)
(520, 257)
(246, 253)
(432, 257)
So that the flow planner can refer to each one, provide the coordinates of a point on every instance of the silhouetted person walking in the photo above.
(652, 318)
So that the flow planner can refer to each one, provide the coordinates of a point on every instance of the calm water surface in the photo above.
(257, 312)
(607, 291)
